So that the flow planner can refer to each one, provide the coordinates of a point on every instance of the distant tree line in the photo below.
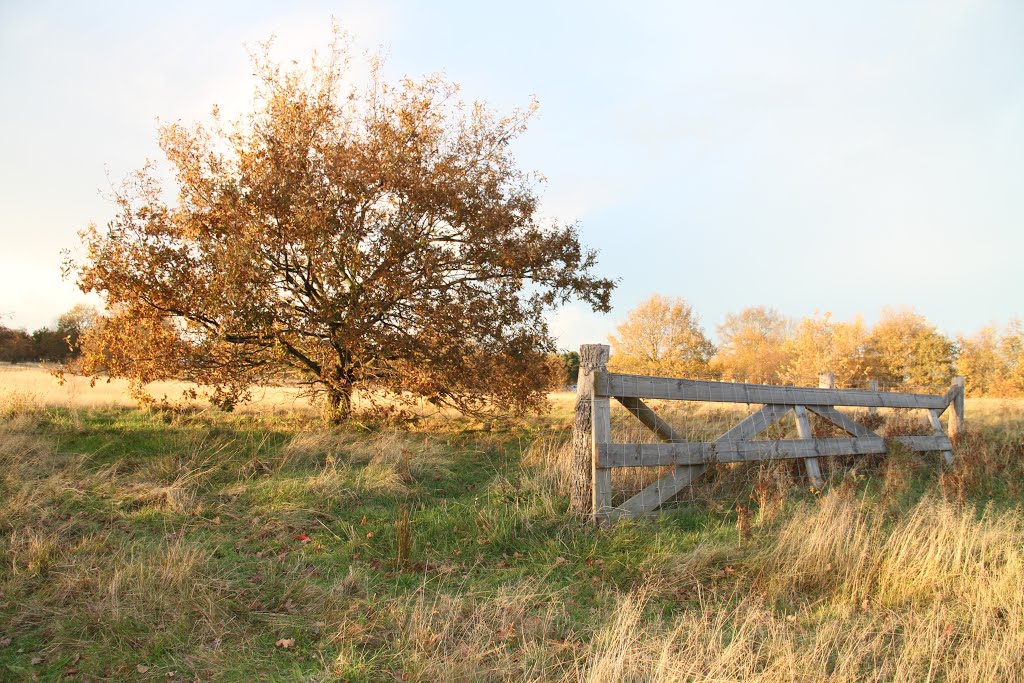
(58, 344)
(663, 336)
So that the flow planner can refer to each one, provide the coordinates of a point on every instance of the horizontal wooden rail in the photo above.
(641, 386)
(701, 453)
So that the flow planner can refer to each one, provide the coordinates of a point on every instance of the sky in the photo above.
(803, 155)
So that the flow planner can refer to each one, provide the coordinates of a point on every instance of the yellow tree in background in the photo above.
(821, 344)
(1012, 345)
(753, 345)
(911, 351)
(661, 336)
(993, 363)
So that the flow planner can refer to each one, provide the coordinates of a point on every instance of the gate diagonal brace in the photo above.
(662, 490)
(841, 420)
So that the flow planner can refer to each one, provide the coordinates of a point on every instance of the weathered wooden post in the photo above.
(873, 386)
(592, 357)
(956, 418)
(600, 433)
(826, 380)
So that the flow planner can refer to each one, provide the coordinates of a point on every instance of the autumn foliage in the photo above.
(376, 236)
(661, 336)
(902, 348)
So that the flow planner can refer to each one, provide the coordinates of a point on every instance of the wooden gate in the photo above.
(689, 459)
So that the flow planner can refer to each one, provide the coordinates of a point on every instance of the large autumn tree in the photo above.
(371, 235)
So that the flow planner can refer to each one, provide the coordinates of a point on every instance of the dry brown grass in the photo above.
(350, 464)
(843, 587)
(934, 597)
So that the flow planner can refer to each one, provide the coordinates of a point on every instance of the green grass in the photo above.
(192, 543)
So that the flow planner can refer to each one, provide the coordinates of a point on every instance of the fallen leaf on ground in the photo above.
(142, 668)
(4, 642)
(285, 643)
(37, 660)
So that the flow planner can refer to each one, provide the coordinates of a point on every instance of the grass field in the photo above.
(195, 545)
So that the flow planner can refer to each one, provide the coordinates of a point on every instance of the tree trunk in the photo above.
(338, 406)
(592, 357)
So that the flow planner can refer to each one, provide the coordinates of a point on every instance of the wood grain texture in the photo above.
(653, 496)
(754, 424)
(662, 490)
(651, 455)
(601, 435)
(663, 430)
(803, 429)
(841, 420)
(640, 386)
(933, 420)
(956, 419)
(592, 358)
(658, 493)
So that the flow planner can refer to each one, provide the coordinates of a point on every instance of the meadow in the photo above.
(190, 544)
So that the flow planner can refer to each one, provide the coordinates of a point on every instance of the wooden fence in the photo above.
(595, 455)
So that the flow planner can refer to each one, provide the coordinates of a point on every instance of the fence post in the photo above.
(826, 380)
(873, 386)
(592, 357)
(600, 433)
(956, 418)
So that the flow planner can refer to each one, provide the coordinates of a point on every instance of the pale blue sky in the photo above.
(803, 155)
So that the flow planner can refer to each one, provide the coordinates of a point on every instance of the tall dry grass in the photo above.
(839, 594)
(350, 464)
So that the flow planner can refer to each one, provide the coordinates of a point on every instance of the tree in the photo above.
(378, 236)
(753, 345)
(992, 362)
(15, 346)
(570, 362)
(49, 346)
(820, 344)
(1012, 348)
(661, 336)
(74, 322)
(981, 361)
(911, 351)
(60, 344)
